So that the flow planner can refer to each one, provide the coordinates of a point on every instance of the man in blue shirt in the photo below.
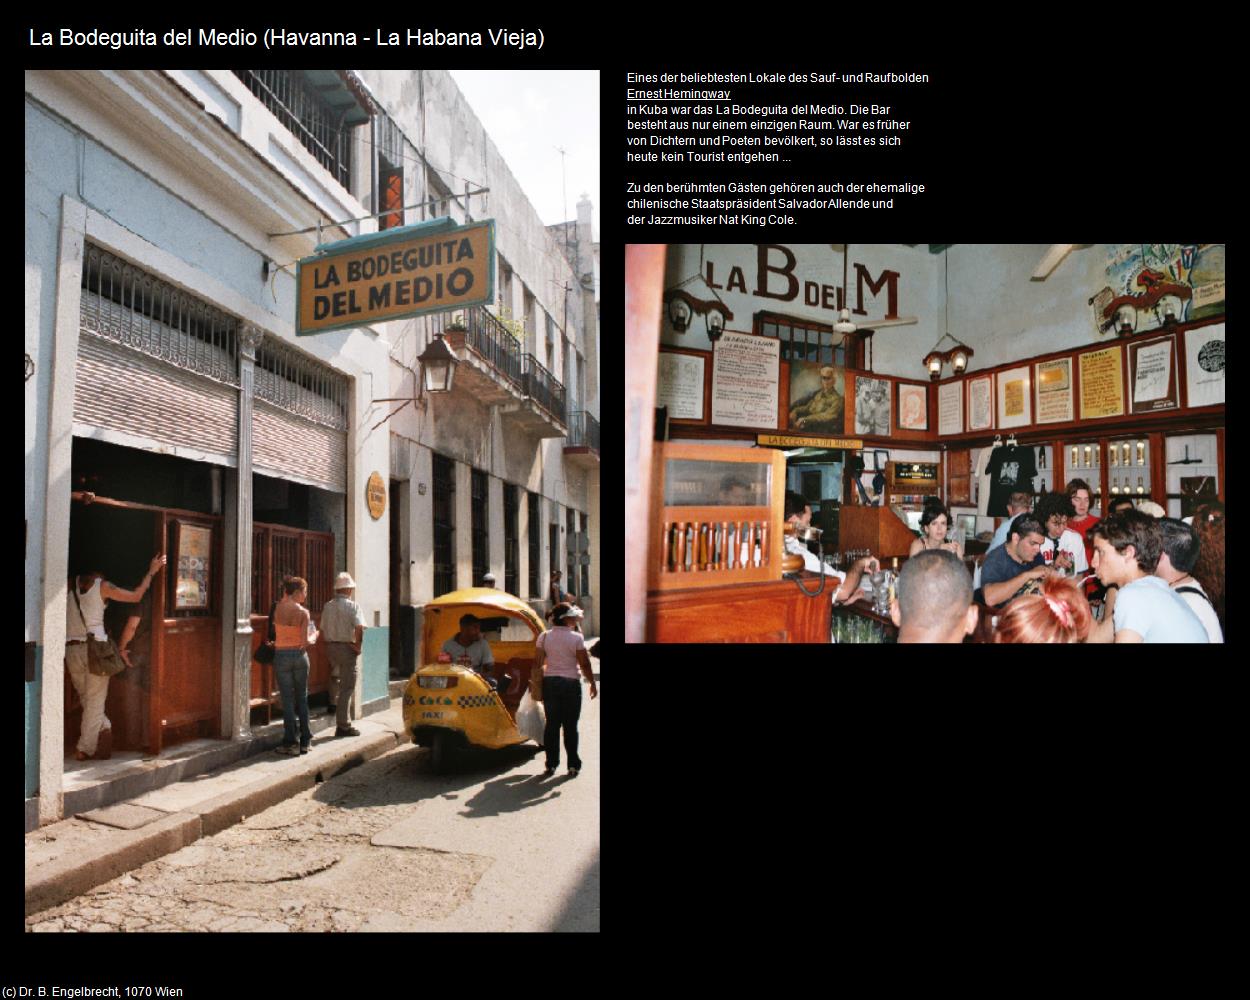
(1014, 563)
(1142, 608)
(1017, 504)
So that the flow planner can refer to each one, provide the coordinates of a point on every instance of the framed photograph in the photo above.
(1154, 378)
(966, 525)
(1054, 391)
(981, 403)
(951, 408)
(1015, 399)
(913, 407)
(872, 406)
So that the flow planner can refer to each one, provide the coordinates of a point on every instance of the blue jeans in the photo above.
(562, 700)
(291, 668)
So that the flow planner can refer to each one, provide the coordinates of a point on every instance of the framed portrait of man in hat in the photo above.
(817, 400)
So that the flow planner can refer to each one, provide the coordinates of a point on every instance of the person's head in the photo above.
(1126, 546)
(1059, 613)
(1019, 503)
(1180, 548)
(296, 588)
(934, 522)
(345, 585)
(797, 510)
(488, 580)
(933, 601)
(827, 378)
(1080, 494)
(470, 628)
(566, 614)
(555, 575)
(1118, 504)
(735, 491)
(1151, 508)
(1053, 510)
(1025, 537)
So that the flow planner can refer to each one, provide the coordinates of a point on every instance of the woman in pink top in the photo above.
(561, 651)
(294, 633)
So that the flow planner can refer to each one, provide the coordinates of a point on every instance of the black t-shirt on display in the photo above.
(1011, 469)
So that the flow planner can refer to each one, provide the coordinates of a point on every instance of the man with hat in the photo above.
(342, 631)
(468, 649)
(822, 409)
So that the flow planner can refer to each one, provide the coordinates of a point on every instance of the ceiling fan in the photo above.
(845, 325)
(1053, 257)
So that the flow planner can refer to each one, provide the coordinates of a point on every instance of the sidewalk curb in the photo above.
(63, 879)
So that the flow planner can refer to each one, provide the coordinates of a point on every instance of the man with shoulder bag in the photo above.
(91, 656)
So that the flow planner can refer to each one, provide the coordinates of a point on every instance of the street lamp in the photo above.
(438, 365)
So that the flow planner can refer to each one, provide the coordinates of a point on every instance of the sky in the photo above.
(529, 113)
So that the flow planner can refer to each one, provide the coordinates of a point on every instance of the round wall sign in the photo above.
(375, 496)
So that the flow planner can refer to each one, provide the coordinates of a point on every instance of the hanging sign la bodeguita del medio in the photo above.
(428, 267)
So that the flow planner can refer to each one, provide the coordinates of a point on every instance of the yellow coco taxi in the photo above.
(447, 706)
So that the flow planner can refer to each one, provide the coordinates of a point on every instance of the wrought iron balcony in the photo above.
(582, 446)
(583, 430)
(497, 371)
(543, 389)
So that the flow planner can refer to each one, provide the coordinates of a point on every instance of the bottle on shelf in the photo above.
(1115, 484)
(1140, 486)
(1141, 452)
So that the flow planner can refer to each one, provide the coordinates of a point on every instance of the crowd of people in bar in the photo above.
(1055, 573)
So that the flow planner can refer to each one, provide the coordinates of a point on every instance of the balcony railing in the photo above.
(489, 339)
(542, 388)
(583, 431)
(305, 115)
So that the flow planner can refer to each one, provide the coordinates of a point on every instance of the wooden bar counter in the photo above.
(773, 611)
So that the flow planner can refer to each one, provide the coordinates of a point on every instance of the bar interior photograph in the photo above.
(881, 443)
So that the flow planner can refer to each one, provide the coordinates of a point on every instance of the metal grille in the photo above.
(511, 546)
(125, 304)
(479, 524)
(303, 113)
(444, 525)
(319, 570)
(301, 385)
(536, 537)
(543, 388)
(583, 430)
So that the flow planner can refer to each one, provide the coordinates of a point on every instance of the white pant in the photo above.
(92, 690)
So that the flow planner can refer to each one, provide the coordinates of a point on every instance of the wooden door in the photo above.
(279, 552)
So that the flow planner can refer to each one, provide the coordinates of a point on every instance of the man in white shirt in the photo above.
(1180, 553)
(1062, 549)
(799, 513)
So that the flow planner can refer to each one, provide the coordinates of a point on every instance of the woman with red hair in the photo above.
(1056, 612)
(1209, 569)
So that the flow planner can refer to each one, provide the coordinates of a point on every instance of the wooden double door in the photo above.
(278, 552)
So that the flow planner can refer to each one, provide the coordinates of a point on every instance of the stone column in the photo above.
(249, 340)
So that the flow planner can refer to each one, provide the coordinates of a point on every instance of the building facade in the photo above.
(171, 408)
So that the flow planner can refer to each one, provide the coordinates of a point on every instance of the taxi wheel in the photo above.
(441, 753)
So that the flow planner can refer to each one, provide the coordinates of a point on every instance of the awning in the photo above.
(341, 92)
